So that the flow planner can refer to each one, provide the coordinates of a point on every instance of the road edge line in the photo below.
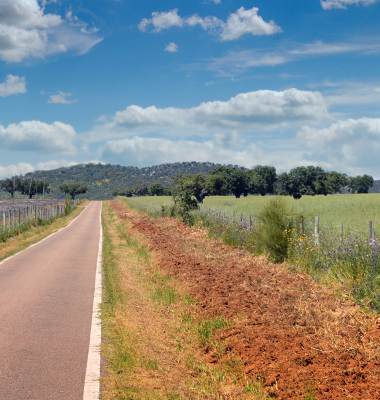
(47, 237)
(92, 384)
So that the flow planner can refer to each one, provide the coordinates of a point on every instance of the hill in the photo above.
(102, 179)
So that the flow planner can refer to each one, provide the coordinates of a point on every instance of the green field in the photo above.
(354, 211)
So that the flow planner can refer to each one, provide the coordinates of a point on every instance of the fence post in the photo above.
(316, 231)
(250, 223)
(370, 230)
(341, 231)
(373, 234)
(233, 216)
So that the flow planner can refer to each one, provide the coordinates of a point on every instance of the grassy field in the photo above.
(354, 211)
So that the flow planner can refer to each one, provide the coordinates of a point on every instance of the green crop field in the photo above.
(354, 211)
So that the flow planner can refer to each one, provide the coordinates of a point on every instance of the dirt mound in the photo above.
(291, 333)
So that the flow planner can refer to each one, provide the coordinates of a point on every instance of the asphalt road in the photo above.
(46, 300)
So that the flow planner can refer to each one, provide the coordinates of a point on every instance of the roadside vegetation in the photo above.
(343, 258)
(153, 336)
(15, 240)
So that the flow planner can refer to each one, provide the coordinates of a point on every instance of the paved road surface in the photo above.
(46, 299)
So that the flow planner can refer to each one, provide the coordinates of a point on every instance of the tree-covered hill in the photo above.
(102, 179)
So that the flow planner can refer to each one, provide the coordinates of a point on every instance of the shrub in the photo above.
(276, 222)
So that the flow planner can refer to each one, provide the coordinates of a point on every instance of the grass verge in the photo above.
(31, 234)
(154, 342)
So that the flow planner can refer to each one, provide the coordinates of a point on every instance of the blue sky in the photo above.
(279, 82)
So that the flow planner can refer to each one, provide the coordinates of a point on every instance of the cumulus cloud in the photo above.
(349, 145)
(171, 47)
(23, 168)
(13, 85)
(330, 4)
(39, 137)
(238, 24)
(26, 31)
(148, 151)
(60, 98)
(260, 110)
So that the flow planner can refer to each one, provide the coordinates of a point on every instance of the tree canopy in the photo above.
(73, 188)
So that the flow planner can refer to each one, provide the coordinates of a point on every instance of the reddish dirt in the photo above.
(290, 332)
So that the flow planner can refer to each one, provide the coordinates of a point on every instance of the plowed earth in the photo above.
(291, 333)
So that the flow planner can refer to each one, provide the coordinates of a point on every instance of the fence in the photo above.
(16, 217)
(247, 223)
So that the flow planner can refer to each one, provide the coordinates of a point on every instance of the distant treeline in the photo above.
(260, 180)
(29, 187)
(156, 189)
(263, 180)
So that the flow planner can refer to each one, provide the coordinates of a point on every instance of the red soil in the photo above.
(290, 332)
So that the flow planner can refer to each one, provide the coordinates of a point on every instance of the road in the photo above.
(46, 301)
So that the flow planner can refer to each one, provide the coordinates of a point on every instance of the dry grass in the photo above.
(35, 234)
(151, 336)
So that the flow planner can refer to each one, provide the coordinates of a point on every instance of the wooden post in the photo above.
(302, 226)
(233, 216)
(13, 219)
(341, 231)
(373, 234)
(316, 231)
(370, 230)
(4, 224)
(19, 217)
(250, 223)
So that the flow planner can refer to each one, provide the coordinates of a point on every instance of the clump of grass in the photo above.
(207, 327)
(163, 293)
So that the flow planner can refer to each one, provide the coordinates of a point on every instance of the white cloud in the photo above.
(11, 170)
(237, 62)
(60, 98)
(350, 145)
(247, 21)
(26, 31)
(238, 24)
(330, 4)
(260, 110)
(39, 137)
(13, 85)
(217, 1)
(171, 48)
(163, 20)
(75, 21)
(150, 151)
(23, 168)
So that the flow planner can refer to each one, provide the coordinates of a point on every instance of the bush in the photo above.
(276, 222)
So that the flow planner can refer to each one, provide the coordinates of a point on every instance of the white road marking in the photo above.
(92, 383)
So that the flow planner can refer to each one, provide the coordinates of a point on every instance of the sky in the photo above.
(272, 82)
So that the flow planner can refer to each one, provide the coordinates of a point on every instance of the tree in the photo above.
(11, 185)
(118, 192)
(268, 178)
(156, 189)
(361, 184)
(306, 181)
(336, 181)
(183, 197)
(217, 185)
(73, 188)
(31, 187)
(167, 191)
(140, 190)
(236, 182)
(256, 183)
